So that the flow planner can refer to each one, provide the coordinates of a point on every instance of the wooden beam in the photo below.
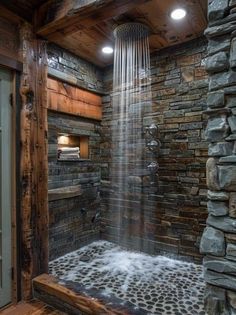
(69, 16)
(33, 161)
(70, 299)
(11, 63)
(72, 100)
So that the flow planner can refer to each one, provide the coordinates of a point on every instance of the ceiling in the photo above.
(23, 8)
(85, 26)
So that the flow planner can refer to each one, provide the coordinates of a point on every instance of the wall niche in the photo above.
(72, 147)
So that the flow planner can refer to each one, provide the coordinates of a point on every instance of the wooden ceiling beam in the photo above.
(63, 14)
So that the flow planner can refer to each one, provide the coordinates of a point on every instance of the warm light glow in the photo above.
(178, 14)
(63, 140)
(107, 50)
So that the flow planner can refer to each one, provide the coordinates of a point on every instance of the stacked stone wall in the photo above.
(68, 67)
(219, 238)
(74, 221)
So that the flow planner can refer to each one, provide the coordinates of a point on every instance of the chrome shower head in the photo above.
(132, 30)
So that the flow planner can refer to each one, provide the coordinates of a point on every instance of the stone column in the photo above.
(219, 238)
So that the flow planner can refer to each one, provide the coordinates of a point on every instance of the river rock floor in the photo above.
(157, 284)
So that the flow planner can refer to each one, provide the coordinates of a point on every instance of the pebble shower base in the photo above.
(156, 284)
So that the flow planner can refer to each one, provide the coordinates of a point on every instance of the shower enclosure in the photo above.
(133, 214)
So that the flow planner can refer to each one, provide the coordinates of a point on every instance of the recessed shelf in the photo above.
(72, 147)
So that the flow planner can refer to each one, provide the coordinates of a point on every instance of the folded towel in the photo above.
(70, 150)
(69, 155)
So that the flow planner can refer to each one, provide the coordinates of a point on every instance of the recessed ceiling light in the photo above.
(107, 50)
(178, 14)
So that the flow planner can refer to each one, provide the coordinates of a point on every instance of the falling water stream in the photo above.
(131, 100)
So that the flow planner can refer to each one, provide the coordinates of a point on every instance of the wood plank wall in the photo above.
(69, 99)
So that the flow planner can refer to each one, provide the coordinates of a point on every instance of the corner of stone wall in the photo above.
(218, 242)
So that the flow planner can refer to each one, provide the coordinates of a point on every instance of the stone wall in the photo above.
(219, 239)
(73, 222)
(174, 211)
(70, 68)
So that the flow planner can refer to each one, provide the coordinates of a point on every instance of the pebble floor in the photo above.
(157, 284)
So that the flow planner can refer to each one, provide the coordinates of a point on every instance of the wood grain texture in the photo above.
(68, 99)
(73, 299)
(32, 308)
(23, 8)
(83, 27)
(33, 164)
(9, 35)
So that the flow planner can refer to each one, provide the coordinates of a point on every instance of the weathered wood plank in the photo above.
(33, 164)
(9, 35)
(72, 300)
(32, 308)
(67, 13)
(74, 92)
(74, 101)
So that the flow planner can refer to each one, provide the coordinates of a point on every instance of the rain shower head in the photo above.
(131, 30)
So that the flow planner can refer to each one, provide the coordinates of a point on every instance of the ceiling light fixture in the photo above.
(178, 14)
(107, 50)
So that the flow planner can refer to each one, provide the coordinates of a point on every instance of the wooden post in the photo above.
(33, 167)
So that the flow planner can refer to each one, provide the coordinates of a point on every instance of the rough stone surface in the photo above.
(217, 208)
(227, 177)
(233, 53)
(232, 299)
(220, 80)
(232, 123)
(217, 129)
(212, 242)
(212, 174)
(217, 44)
(225, 224)
(220, 272)
(232, 204)
(220, 279)
(216, 99)
(220, 196)
(221, 265)
(228, 159)
(217, 9)
(215, 301)
(220, 29)
(231, 103)
(217, 62)
(220, 149)
(231, 251)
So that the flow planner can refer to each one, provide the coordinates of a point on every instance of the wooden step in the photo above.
(75, 299)
(32, 308)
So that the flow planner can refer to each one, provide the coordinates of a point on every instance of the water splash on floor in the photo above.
(155, 283)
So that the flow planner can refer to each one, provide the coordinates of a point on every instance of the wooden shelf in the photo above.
(75, 160)
(64, 192)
